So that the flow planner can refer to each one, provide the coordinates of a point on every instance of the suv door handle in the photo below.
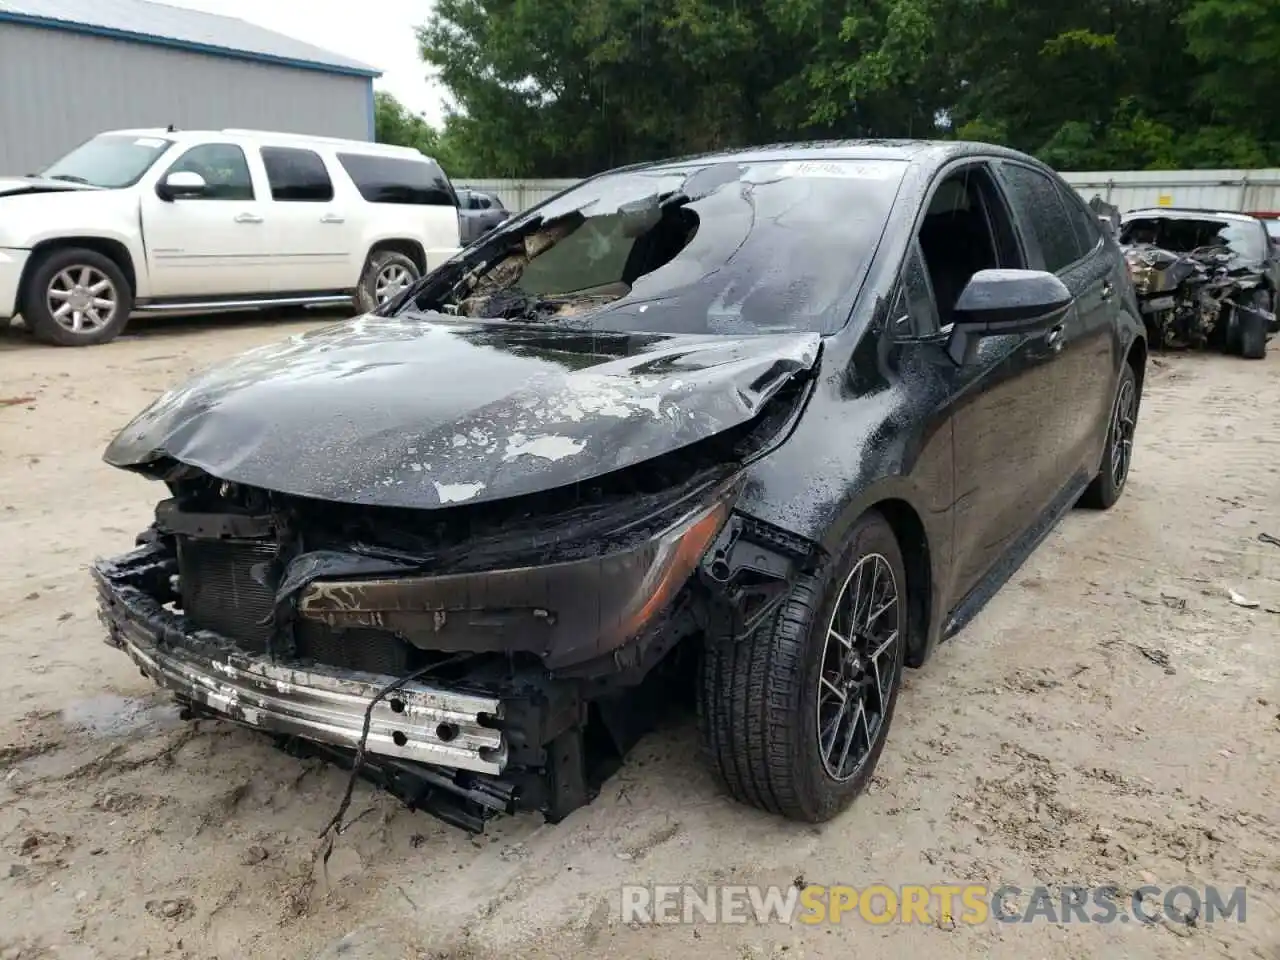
(1054, 337)
(248, 218)
(1107, 290)
(332, 218)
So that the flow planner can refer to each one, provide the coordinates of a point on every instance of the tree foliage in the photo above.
(394, 123)
(570, 87)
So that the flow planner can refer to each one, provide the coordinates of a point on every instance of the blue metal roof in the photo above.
(143, 21)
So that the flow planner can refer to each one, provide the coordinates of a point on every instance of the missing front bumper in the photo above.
(420, 722)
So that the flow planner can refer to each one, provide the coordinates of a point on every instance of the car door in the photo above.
(998, 400)
(313, 216)
(492, 212)
(1062, 236)
(213, 245)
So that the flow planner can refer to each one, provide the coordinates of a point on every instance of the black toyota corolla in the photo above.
(773, 422)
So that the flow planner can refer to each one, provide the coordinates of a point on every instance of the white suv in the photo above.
(164, 221)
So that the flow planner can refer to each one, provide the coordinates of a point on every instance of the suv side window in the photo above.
(1084, 220)
(1043, 211)
(915, 314)
(297, 175)
(392, 180)
(223, 167)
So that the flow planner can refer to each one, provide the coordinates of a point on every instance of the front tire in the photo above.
(1117, 457)
(795, 715)
(76, 297)
(1253, 326)
(386, 274)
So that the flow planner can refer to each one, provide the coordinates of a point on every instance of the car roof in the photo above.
(928, 152)
(1190, 213)
(354, 146)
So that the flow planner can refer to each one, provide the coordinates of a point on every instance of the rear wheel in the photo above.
(1107, 486)
(795, 715)
(386, 274)
(76, 298)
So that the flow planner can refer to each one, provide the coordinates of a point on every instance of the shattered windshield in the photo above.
(111, 161)
(1185, 234)
(728, 247)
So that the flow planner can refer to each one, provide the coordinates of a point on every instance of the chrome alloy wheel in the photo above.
(391, 280)
(82, 299)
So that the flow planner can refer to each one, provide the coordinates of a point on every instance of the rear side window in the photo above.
(297, 175)
(1043, 211)
(392, 180)
(1084, 220)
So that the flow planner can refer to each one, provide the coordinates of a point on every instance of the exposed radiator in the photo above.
(220, 593)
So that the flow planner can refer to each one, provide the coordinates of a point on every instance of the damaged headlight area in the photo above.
(527, 640)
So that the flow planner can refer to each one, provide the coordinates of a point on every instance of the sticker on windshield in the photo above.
(837, 169)
(150, 142)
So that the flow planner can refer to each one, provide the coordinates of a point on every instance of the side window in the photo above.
(1084, 220)
(1043, 212)
(223, 167)
(392, 180)
(297, 175)
(914, 312)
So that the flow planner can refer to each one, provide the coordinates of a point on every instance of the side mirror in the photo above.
(181, 183)
(998, 302)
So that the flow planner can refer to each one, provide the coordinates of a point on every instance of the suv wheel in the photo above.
(795, 715)
(386, 274)
(76, 298)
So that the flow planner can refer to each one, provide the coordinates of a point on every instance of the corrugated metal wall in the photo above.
(1251, 190)
(1254, 190)
(57, 89)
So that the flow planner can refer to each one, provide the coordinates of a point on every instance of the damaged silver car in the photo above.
(1203, 278)
(734, 426)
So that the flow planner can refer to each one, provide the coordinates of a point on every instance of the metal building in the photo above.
(72, 68)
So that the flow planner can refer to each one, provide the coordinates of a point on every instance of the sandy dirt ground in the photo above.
(1111, 717)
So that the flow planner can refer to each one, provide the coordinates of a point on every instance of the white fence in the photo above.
(518, 195)
(1244, 190)
(1253, 190)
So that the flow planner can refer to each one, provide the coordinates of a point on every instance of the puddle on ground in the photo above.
(109, 715)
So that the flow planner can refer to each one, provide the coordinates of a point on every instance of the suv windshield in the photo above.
(726, 247)
(109, 161)
(1184, 234)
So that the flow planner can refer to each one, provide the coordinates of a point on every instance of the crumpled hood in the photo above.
(420, 411)
(16, 186)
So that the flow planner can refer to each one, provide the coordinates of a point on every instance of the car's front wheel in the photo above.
(795, 715)
(76, 298)
(1253, 325)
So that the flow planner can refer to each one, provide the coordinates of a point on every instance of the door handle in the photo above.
(332, 218)
(248, 218)
(1107, 290)
(1055, 337)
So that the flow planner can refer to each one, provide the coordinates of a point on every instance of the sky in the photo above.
(377, 32)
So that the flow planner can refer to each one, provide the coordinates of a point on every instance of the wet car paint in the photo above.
(411, 412)
(889, 421)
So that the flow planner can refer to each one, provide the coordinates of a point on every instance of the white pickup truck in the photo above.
(165, 221)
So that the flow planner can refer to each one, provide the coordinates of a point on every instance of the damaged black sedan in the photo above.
(771, 422)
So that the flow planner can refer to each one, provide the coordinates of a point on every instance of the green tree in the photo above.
(395, 123)
(561, 88)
